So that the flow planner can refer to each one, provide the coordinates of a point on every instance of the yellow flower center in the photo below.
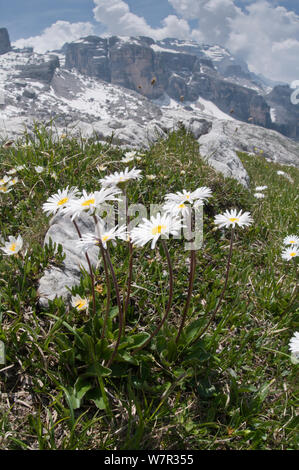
(3, 188)
(13, 247)
(158, 229)
(80, 304)
(88, 202)
(188, 196)
(181, 206)
(234, 219)
(105, 238)
(293, 253)
(292, 241)
(62, 201)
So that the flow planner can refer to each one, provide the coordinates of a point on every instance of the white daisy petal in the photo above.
(261, 188)
(102, 235)
(290, 253)
(79, 303)
(120, 177)
(153, 229)
(13, 246)
(291, 240)
(294, 344)
(232, 218)
(58, 201)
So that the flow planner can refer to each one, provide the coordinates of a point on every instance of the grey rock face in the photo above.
(220, 145)
(42, 71)
(56, 282)
(29, 93)
(154, 68)
(286, 114)
(4, 41)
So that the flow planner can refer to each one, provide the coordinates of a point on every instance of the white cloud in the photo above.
(56, 35)
(266, 36)
(119, 20)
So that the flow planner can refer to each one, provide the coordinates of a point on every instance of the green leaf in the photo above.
(138, 340)
(81, 387)
(193, 329)
(95, 395)
(97, 370)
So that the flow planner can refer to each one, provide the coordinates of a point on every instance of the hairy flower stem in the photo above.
(90, 271)
(108, 290)
(223, 290)
(108, 285)
(295, 293)
(156, 331)
(190, 289)
(120, 310)
(130, 272)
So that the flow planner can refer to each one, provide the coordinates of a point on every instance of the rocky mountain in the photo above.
(4, 41)
(134, 90)
(186, 71)
(182, 70)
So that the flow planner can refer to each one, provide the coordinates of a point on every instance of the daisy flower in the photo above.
(129, 157)
(13, 181)
(13, 246)
(131, 154)
(6, 179)
(291, 240)
(283, 173)
(104, 235)
(294, 344)
(153, 229)
(4, 189)
(290, 253)
(39, 169)
(79, 303)
(201, 193)
(120, 177)
(12, 171)
(259, 195)
(232, 218)
(59, 200)
(261, 188)
(177, 208)
(89, 202)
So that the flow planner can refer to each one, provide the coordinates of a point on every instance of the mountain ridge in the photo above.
(46, 88)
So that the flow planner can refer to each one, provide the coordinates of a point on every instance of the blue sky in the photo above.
(265, 35)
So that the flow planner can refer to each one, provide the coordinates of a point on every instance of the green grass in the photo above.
(235, 388)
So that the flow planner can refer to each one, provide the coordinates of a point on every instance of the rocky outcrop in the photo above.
(285, 113)
(225, 138)
(57, 281)
(154, 68)
(43, 71)
(4, 41)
